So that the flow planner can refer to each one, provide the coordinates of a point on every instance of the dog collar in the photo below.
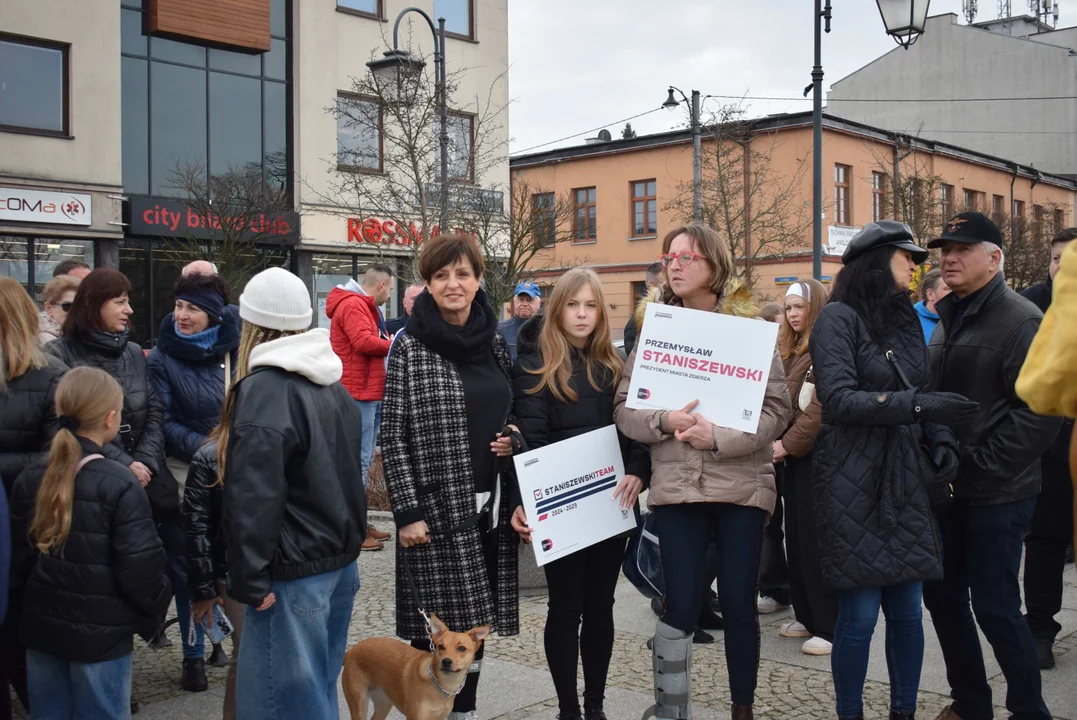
(443, 691)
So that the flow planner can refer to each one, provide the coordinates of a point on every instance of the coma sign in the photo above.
(173, 218)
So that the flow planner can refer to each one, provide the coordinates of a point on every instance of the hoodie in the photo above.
(310, 355)
(360, 340)
(928, 320)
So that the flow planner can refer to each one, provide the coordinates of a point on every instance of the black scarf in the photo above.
(459, 344)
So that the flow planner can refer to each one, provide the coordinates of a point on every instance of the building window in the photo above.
(644, 208)
(459, 17)
(974, 200)
(1060, 219)
(33, 86)
(879, 197)
(1018, 209)
(367, 8)
(586, 219)
(461, 138)
(542, 208)
(47, 253)
(359, 134)
(843, 196)
(946, 202)
(1038, 217)
(997, 204)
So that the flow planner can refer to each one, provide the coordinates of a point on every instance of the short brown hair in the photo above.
(59, 285)
(711, 247)
(446, 250)
(100, 286)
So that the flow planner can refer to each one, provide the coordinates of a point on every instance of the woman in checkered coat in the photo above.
(444, 440)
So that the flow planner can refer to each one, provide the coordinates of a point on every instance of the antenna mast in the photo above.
(968, 7)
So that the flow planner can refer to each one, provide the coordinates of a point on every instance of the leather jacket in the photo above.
(979, 354)
(203, 505)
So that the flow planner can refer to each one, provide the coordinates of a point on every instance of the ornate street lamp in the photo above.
(904, 19)
(697, 147)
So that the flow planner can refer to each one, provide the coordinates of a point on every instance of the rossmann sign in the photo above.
(43, 206)
(378, 231)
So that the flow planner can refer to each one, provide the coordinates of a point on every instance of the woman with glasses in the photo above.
(707, 482)
(59, 297)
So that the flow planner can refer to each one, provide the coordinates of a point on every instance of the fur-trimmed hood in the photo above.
(736, 300)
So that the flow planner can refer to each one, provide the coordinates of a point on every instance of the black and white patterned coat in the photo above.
(427, 466)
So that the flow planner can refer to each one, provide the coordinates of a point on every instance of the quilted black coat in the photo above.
(190, 384)
(203, 504)
(142, 435)
(27, 418)
(874, 519)
(109, 583)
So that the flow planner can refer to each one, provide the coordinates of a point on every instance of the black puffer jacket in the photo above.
(544, 420)
(86, 604)
(872, 512)
(27, 418)
(203, 504)
(979, 355)
(294, 504)
(142, 435)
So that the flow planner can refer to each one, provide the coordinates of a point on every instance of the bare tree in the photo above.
(911, 193)
(758, 209)
(1028, 245)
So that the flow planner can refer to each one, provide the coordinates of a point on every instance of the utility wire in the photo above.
(899, 100)
(600, 127)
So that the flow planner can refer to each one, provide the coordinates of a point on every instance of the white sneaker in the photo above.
(817, 646)
(794, 630)
(767, 605)
(473, 715)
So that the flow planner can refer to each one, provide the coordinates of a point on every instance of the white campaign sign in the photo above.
(567, 490)
(44, 206)
(723, 361)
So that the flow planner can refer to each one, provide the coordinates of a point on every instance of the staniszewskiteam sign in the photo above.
(44, 206)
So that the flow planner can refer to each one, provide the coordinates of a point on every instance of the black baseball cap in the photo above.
(969, 228)
(883, 233)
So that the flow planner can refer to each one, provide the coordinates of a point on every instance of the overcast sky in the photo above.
(582, 64)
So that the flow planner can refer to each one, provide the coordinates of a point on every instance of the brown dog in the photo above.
(419, 684)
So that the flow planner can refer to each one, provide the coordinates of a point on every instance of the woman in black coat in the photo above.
(28, 381)
(564, 380)
(881, 449)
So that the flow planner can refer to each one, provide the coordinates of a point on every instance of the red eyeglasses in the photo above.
(685, 259)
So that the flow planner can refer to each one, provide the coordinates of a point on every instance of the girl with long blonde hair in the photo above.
(87, 558)
(564, 382)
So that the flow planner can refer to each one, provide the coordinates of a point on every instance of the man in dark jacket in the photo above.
(653, 278)
(1052, 523)
(526, 302)
(986, 329)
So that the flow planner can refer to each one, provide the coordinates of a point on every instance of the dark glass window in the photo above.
(132, 41)
(461, 129)
(235, 106)
(358, 134)
(177, 52)
(14, 252)
(457, 14)
(135, 123)
(33, 86)
(275, 119)
(370, 7)
(276, 60)
(278, 18)
(177, 124)
(236, 62)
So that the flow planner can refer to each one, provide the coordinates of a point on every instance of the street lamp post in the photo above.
(397, 64)
(904, 21)
(697, 148)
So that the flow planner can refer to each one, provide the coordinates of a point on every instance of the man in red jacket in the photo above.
(362, 343)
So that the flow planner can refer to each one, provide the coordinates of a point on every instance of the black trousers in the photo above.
(12, 665)
(814, 603)
(581, 587)
(1045, 549)
(773, 569)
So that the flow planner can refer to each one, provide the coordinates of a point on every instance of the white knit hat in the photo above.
(276, 299)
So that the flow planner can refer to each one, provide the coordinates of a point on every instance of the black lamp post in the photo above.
(398, 67)
(904, 21)
(697, 148)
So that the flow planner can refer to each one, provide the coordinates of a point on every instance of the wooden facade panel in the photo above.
(234, 24)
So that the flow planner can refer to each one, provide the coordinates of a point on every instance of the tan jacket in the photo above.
(740, 470)
(799, 439)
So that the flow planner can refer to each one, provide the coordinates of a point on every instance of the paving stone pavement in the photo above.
(791, 686)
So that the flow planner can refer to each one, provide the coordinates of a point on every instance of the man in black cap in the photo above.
(985, 332)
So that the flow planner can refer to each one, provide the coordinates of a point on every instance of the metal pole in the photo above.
(817, 141)
(697, 161)
(443, 109)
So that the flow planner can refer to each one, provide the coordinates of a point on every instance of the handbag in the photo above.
(643, 558)
(939, 492)
(807, 391)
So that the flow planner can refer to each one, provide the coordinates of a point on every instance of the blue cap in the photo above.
(528, 288)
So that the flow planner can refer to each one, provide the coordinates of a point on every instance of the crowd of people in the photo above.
(226, 470)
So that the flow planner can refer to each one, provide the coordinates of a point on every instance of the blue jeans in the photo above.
(371, 411)
(63, 690)
(981, 560)
(685, 532)
(172, 537)
(294, 651)
(858, 611)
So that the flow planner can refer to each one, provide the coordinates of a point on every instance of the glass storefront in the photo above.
(331, 269)
(47, 253)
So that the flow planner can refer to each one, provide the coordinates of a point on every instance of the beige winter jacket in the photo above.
(740, 470)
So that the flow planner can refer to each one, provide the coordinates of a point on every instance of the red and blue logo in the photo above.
(547, 545)
(643, 393)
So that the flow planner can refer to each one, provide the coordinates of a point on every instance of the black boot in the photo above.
(1044, 653)
(135, 706)
(858, 716)
(194, 675)
(895, 715)
(218, 658)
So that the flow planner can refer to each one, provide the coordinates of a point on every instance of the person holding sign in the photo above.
(881, 451)
(707, 480)
(564, 382)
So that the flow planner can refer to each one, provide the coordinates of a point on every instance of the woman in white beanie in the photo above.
(294, 509)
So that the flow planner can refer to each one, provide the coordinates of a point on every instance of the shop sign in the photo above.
(42, 206)
(378, 231)
(838, 237)
(174, 218)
